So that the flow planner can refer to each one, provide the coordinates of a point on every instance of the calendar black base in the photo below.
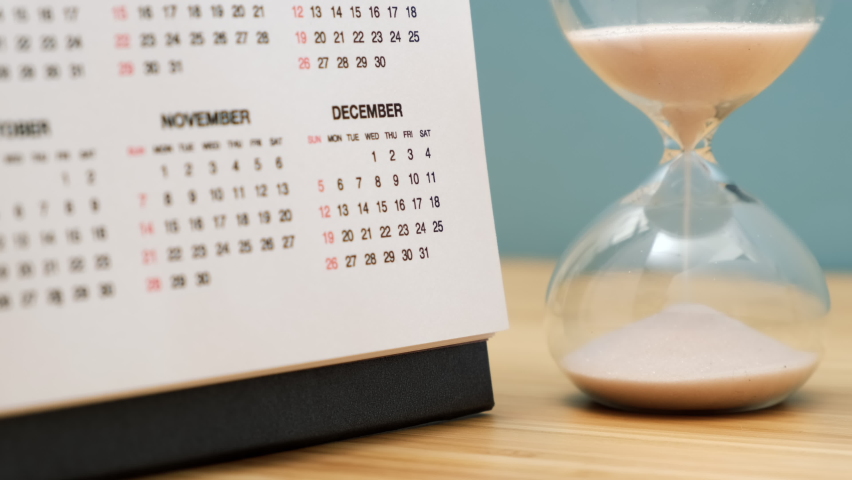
(248, 417)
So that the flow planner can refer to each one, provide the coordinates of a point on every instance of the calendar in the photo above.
(198, 192)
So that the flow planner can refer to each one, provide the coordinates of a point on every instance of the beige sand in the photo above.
(694, 74)
(688, 357)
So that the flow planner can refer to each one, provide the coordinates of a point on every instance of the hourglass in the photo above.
(688, 294)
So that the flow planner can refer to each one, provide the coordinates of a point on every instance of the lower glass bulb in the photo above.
(687, 295)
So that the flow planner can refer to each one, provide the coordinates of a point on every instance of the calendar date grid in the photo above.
(32, 38)
(244, 179)
(319, 28)
(55, 231)
(396, 198)
(148, 28)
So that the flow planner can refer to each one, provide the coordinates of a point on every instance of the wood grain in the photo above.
(542, 427)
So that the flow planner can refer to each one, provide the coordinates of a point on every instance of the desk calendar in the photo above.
(200, 192)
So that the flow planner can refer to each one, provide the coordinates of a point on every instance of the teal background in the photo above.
(562, 146)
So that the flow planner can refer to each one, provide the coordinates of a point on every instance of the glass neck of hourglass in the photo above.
(680, 136)
(672, 148)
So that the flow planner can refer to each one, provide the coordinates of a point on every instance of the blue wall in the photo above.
(562, 146)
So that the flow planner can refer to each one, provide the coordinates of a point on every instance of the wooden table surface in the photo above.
(542, 427)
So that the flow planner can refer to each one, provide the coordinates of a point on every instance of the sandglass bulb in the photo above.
(688, 293)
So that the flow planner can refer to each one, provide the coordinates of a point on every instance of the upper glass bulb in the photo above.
(688, 294)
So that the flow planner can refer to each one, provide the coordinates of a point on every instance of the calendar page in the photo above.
(200, 191)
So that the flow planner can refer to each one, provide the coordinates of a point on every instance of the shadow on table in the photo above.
(797, 402)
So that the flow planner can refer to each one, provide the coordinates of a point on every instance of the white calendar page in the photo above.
(204, 191)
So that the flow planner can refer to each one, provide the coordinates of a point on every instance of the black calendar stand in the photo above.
(248, 417)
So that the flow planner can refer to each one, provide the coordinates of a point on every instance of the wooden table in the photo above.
(542, 427)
